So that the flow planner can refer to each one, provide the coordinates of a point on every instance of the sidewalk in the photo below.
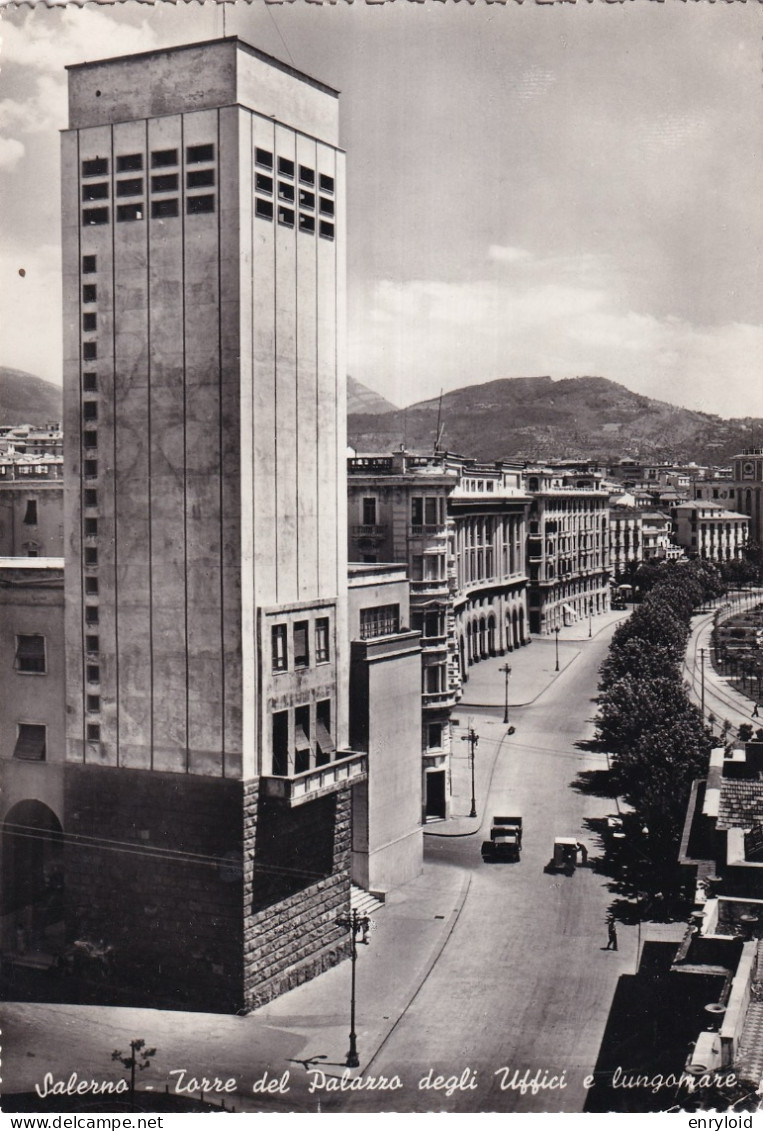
(721, 697)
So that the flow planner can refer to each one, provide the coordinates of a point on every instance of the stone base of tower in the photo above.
(194, 893)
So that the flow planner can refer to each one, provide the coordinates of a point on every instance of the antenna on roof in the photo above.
(440, 427)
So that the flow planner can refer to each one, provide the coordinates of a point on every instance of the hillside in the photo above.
(26, 399)
(361, 399)
(536, 418)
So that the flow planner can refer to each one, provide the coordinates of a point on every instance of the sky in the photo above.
(533, 189)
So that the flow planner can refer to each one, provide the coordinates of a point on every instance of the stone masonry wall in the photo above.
(135, 883)
(290, 909)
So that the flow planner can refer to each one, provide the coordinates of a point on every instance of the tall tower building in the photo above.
(207, 780)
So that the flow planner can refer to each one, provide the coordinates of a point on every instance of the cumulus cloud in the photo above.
(11, 152)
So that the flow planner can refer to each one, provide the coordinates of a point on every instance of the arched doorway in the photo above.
(515, 629)
(491, 635)
(469, 644)
(462, 658)
(521, 626)
(483, 639)
(33, 883)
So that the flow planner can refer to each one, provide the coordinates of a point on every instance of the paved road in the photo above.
(523, 982)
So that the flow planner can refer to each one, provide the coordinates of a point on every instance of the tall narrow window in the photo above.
(278, 645)
(280, 743)
(417, 511)
(326, 747)
(301, 645)
(302, 746)
(369, 512)
(30, 514)
(322, 640)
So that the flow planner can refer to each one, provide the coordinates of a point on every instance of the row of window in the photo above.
(300, 644)
(309, 746)
(90, 507)
(286, 168)
(160, 210)
(286, 217)
(163, 182)
(160, 158)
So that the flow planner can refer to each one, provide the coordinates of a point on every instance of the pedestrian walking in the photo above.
(583, 853)
(755, 712)
(611, 934)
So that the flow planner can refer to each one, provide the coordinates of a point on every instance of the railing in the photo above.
(369, 530)
(428, 530)
(439, 698)
(348, 769)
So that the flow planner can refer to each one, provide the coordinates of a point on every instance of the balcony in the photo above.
(439, 699)
(349, 768)
(428, 530)
(431, 586)
(369, 531)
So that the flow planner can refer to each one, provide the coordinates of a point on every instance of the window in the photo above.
(30, 742)
(285, 192)
(434, 736)
(129, 212)
(91, 556)
(263, 209)
(200, 178)
(301, 646)
(93, 673)
(286, 217)
(91, 469)
(417, 511)
(91, 586)
(381, 620)
(431, 517)
(98, 191)
(306, 199)
(326, 747)
(326, 207)
(326, 230)
(369, 512)
(285, 167)
(306, 175)
(91, 216)
(30, 514)
(89, 351)
(417, 567)
(195, 205)
(306, 224)
(434, 679)
(32, 549)
(91, 497)
(263, 183)
(95, 167)
(162, 157)
(326, 183)
(89, 264)
(131, 187)
(91, 527)
(196, 153)
(322, 640)
(92, 643)
(280, 743)
(30, 654)
(89, 322)
(165, 182)
(278, 645)
(90, 439)
(264, 158)
(164, 209)
(433, 625)
(130, 163)
(89, 292)
(302, 748)
(93, 703)
(94, 732)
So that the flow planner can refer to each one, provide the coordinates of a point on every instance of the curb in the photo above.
(439, 948)
(527, 702)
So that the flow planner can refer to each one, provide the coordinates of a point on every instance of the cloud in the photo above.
(426, 334)
(11, 152)
(501, 254)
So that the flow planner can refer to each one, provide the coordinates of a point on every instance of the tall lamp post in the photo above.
(507, 672)
(590, 614)
(356, 924)
(473, 739)
(556, 635)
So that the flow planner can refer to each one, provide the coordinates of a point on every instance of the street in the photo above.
(523, 982)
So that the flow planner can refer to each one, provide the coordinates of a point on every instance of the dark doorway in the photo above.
(435, 803)
(33, 884)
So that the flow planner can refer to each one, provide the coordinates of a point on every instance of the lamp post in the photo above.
(507, 672)
(556, 636)
(473, 740)
(702, 683)
(590, 614)
(356, 924)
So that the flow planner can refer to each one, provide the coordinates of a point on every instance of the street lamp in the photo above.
(556, 634)
(590, 614)
(507, 672)
(357, 924)
(473, 739)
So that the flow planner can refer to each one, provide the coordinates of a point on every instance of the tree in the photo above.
(139, 1057)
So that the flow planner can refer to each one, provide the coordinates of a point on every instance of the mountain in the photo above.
(26, 399)
(535, 418)
(361, 399)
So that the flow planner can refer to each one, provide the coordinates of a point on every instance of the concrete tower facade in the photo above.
(207, 782)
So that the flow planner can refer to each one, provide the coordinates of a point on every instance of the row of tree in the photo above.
(656, 736)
